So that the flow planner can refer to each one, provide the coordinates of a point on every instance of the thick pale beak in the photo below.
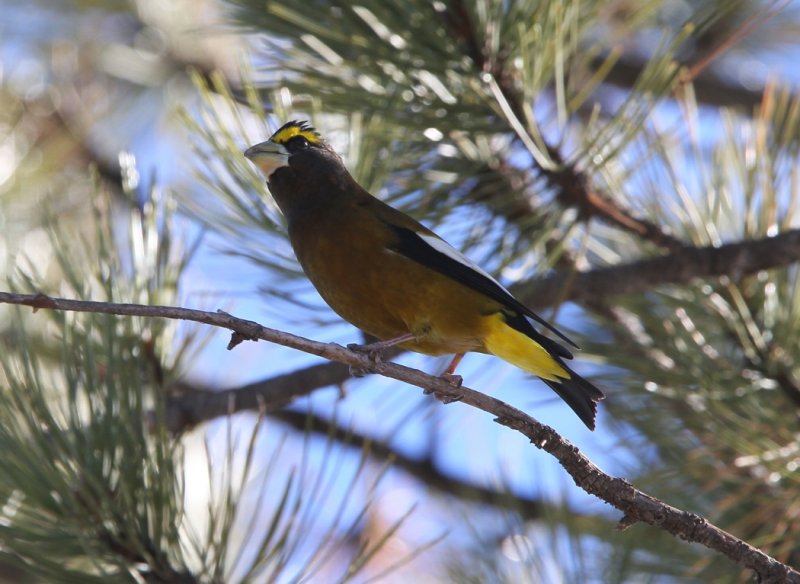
(268, 156)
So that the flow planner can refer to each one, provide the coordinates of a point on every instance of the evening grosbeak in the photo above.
(395, 279)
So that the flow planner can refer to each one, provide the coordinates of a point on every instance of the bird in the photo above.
(395, 279)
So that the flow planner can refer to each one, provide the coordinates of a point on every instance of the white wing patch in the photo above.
(442, 246)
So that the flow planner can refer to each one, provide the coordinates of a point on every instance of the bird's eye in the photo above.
(296, 144)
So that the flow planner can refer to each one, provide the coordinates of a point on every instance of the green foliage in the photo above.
(713, 365)
(93, 488)
(478, 117)
(464, 105)
(91, 492)
(88, 493)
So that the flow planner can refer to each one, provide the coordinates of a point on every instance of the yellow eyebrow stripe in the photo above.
(285, 134)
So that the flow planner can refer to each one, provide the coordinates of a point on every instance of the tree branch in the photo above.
(709, 89)
(424, 469)
(679, 267)
(635, 505)
(189, 405)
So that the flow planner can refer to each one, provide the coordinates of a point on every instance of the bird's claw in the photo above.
(374, 354)
(444, 397)
(448, 399)
(358, 371)
(452, 379)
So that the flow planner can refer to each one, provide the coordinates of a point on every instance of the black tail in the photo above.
(579, 394)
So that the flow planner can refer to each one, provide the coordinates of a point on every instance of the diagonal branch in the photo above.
(189, 405)
(424, 469)
(709, 88)
(635, 505)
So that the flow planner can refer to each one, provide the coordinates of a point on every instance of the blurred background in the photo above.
(545, 139)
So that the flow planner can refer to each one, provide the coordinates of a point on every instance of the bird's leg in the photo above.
(450, 373)
(450, 376)
(375, 349)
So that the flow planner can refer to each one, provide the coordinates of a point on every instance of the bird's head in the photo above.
(302, 171)
(298, 147)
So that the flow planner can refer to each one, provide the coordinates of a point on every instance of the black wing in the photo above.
(414, 247)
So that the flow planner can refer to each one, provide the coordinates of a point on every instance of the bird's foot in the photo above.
(359, 371)
(452, 379)
(374, 353)
(376, 350)
(448, 399)
(455, 381)
(444, 397)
